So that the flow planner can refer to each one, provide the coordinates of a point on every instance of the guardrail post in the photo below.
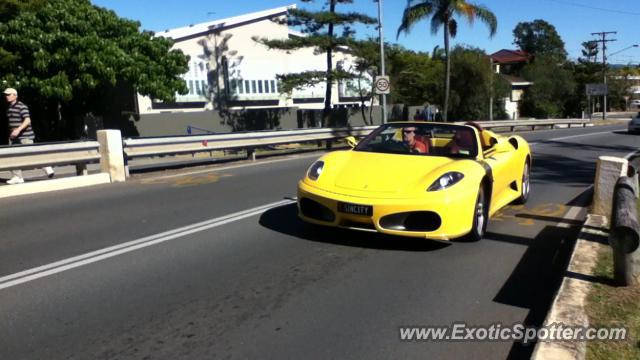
(624, 236)
(81, 169)
(251, 154)
(111, 154)
(608, 170)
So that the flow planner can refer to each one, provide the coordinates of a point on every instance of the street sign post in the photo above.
(382, 85)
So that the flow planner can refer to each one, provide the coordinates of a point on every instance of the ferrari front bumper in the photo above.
(438, 215)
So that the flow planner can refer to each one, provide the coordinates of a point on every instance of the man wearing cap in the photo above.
(20, 130)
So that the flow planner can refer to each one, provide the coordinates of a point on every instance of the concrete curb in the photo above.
(569, 304)
(54, 185)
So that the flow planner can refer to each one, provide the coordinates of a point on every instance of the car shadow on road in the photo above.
(285, 220)
(534, 281)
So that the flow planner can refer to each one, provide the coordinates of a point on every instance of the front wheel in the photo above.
(525, 187)
(480, 217)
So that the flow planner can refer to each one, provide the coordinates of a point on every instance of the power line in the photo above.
(594, 7)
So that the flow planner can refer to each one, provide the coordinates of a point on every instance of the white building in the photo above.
(228, 68)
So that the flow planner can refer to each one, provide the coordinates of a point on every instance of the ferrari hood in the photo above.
(386, 173)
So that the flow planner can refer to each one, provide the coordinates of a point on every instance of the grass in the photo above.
(611, 306)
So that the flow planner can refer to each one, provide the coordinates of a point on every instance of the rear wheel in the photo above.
(525, 187)
(480, 217)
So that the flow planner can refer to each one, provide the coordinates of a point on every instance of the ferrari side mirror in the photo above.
(351, 141)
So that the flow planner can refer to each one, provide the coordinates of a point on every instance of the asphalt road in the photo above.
(252, 282)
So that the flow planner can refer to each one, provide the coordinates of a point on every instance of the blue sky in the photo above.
(574, 20)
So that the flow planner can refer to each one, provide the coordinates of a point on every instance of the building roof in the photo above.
(514, 80)
(191, 30)
(506, 56)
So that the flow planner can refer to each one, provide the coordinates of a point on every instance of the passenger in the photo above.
(410, 138)
(462, 142)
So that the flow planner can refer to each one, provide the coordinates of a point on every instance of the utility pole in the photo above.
(491, 89)
(382, 70)
(604, 42)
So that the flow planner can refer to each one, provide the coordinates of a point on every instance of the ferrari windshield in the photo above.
(426, 139)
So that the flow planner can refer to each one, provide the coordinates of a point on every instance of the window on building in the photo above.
(204, 87)
(234, 87)
(253, 87)
(260, 86)
(240, 87)
(273, 86)
(247, 87)
(266, 87)
(191, 87)
(198, 90)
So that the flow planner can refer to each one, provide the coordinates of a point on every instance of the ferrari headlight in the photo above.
(446, 180)
(315, 170)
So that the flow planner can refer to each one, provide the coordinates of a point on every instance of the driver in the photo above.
(409, 138)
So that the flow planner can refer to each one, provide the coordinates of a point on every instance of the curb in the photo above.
(54, 185)
(569, 303)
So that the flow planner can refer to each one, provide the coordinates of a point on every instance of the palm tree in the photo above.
(442, 13)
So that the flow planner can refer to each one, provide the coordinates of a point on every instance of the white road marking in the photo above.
(568, 137)
(258, 163)
(629, 155)
(572, 214)
(108, 252)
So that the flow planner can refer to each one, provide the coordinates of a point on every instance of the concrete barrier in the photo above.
(608, 170)
(54, 185)
(111, 155)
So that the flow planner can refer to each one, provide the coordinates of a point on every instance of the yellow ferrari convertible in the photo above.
(419, 179)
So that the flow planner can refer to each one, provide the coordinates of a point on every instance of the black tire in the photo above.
(525, 188)
(480, 217)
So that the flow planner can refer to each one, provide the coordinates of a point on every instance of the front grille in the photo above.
(412, 221)
(314, 210)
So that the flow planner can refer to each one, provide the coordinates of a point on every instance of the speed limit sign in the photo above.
(382, 84)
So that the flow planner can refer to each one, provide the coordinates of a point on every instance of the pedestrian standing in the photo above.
(20, 130)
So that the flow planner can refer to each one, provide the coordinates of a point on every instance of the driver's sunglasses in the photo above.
(408, 131)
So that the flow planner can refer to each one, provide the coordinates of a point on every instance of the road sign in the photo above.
(597, 89)
(382, 85)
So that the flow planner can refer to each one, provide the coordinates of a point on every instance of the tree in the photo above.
(539, 38)
(415, 76)
(472, 84)
(443, 13)
(320, 30)
(74, 55)
(590, 50)
(553, 86)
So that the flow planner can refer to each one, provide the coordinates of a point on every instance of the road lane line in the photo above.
(572, 214)
(94, 256)
(629, 155)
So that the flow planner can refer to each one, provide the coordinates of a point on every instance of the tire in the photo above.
(480, 217)
(525, 187)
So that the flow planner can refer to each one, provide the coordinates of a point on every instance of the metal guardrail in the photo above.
(82, 153)
(40, 155)
(146, 147)
(512, 124)
(190, 144)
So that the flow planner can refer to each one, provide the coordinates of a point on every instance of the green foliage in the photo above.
(326, 32)
(553, 86)
(415, 78)
(472, 84)
(539, 38)
(73, 52)
(11, 8)
(442, 14)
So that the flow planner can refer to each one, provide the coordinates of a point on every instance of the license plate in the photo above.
(356, 209)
